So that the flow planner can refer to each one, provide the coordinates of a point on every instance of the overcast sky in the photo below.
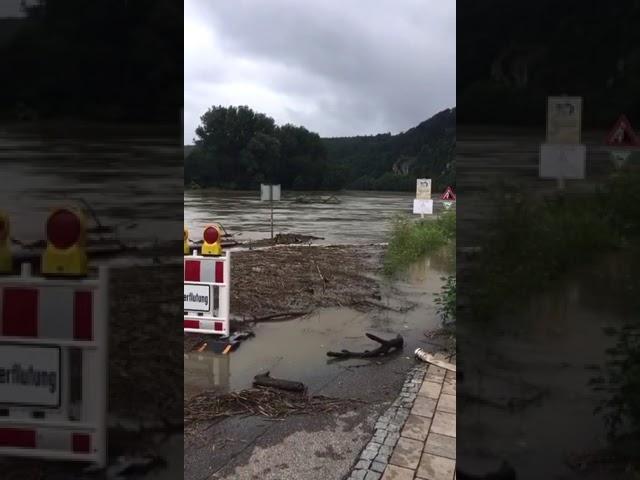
(337, 67)
(10, 8)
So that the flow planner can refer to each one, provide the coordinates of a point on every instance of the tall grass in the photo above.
(411, 240)
(533, 242)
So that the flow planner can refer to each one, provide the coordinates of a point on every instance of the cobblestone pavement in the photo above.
(416, 437)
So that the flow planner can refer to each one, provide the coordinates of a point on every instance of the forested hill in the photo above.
(512, 55)
(237, 148)
(393, 162)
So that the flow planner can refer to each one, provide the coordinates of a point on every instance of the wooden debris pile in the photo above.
(265, 402)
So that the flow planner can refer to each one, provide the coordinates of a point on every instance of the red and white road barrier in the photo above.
(207, 294)
(53, 367)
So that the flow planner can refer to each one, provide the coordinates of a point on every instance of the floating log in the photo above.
(386, 347)
(265, 380)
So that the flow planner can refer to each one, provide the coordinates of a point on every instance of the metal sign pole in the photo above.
(271, 203)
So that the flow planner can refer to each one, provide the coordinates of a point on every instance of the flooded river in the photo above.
(360, 217)
(132, 183)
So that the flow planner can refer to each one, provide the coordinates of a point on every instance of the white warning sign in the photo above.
(197, 297)
(423, 189)
(29, 375)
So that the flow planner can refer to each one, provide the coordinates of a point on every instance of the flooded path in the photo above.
(536, 374)
(296, 349)
(525, 392)
(318, 446)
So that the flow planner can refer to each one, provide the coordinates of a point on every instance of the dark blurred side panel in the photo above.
(91, 202)
(548, 225)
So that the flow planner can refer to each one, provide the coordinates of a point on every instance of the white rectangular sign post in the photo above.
(423, 207)
(564, 120)
(270, 193)
(423, 189)
(563, 156)
(423, 204)
(43, 321)
(562, 161)
(207, 294)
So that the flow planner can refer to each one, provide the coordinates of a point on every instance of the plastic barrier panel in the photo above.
(207, 287)
(53, 367)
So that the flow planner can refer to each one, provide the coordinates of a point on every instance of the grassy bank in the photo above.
(411, 240)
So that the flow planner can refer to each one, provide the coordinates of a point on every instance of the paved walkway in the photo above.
(415, 439)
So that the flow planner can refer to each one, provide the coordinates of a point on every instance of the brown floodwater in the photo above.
(296, 349)
(360, 217)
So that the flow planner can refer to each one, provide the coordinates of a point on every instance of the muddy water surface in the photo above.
(132, 183)
(360, 217)
(296, 349)
(540, 360)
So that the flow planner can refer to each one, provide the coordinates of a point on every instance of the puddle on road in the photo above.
(297, 349)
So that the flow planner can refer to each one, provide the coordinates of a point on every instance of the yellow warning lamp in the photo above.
(211, 244)
(6, 262)
(66, 252)
(186, 241)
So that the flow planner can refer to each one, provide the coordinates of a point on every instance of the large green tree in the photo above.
(237, 147)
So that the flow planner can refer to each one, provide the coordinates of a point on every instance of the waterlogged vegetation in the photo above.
(533, 242)
(411, 240)
(446, 300)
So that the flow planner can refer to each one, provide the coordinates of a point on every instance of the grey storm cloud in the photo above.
(10, 8)
(337, 67)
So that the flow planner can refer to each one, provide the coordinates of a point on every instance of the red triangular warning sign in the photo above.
(448, 194)
(622, 134)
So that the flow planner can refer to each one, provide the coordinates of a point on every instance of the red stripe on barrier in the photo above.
(17, 437)
(219, 272)
(191, 324)
(82, 316)
(20, 312)
(81, 443)
(192, 271)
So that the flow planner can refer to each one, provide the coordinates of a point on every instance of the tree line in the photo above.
(238, 148)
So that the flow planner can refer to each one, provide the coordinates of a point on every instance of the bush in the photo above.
(411, 240)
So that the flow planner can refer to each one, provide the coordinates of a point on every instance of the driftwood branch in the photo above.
(386, 347)
(278, 317)
(265, 380)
